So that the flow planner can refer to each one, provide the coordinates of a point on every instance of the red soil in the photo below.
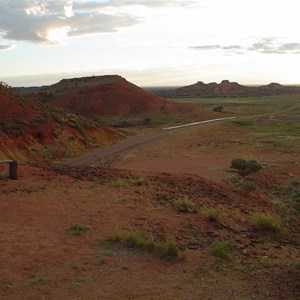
(41, 259)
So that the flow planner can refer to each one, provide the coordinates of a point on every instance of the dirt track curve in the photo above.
(102, 153)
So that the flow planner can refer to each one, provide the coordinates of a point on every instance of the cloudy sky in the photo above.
(150, 42)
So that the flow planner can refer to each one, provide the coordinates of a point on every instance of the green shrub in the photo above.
(218, 108)
(245, 167)
(243, 122)
(292, 195)
(165, 249)
(147, 120)
(119, 182)
(125, 124)
(12, 128)
(77, 229)
(222, 249)
(56, 134)
(253, 166)
(168, 249)
(185, 205)
(238, 163)
(267, 222)
(212, 214)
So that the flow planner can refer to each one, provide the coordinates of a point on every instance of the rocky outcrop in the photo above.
(227, 89)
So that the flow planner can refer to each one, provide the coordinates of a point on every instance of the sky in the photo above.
(150, 43)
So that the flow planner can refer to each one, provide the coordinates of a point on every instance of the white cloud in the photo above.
(122, 3)
(273, 46)
(6, 47)
(233, 49)
(265, 46)
(69, 9)
(39, 21)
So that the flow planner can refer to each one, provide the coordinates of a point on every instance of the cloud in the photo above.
(265, 46)
(273, 46)
(232, 49)
(216, 47)
(6, 47)
(123, 3)
(51, 21)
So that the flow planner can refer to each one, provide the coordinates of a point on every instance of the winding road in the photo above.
(102, 153)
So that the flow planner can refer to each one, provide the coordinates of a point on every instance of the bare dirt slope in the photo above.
(42, 258)
(170, 220)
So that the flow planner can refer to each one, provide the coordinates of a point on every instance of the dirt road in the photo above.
(102, 153)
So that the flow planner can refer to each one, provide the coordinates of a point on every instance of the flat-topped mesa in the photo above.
(108, 95)
(274, 85)
(83, 82)
(225, 81)
(228, 89)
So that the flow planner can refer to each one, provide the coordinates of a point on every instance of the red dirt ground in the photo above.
(207, 151)
(40, 258)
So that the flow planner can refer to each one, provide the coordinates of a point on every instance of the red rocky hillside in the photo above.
(33, 130)
(109, 95)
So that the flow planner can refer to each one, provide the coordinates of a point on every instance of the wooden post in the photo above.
(13, 170)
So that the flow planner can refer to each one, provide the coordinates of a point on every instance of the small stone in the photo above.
(193, 247)
(211, 234)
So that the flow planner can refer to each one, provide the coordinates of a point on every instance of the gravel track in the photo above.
(102, 153)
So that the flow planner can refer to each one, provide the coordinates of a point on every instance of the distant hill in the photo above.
(226, 89)
(30, 129)
(109, 95)
(28, 90)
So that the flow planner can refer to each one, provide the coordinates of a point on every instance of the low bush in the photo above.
(211, 214)
(238, 163)
(147, 120)
(119, 182)
(185, 205)
(267, 222)
(12, 128)
(56, 134)
(292, 195)
(165, 249)
(222, 249)
(218, 108)
(77, 229)
(243, 122)
(245, 167)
